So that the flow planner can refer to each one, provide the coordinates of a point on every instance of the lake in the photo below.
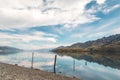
(86, 67)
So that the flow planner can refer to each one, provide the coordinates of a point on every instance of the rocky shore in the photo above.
(14, 72)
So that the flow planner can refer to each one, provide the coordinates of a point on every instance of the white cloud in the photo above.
(38, 33)
(109, 9)
(21, 3)
(97, 33)
(4, 43)
(100, 1)
(114, 31)
(100, 34)
(105, 8)
(29, 37)
(78, 35)
(88, 35)
(29, 13)
(34, 40)
(28, 40)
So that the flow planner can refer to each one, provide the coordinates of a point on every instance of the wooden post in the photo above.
(55, 63)
(32, 61)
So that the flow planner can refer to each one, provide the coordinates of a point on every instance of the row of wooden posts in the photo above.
(54, 67)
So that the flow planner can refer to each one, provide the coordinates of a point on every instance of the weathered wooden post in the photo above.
(32, 61)
(55, 63)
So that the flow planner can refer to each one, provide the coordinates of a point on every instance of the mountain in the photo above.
(7, 50)
(99, 42)
(111, 43)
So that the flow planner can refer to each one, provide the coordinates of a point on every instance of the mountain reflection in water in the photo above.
(106, 59)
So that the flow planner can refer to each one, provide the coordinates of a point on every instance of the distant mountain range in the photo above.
(7, 50)
(39, 50)
(111, 43)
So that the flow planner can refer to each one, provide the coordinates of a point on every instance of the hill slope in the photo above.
(110, 44)
(99, 42)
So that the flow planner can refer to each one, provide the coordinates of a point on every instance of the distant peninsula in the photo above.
(105, 44)
(9, 50)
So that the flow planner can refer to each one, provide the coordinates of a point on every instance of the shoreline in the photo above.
(92, 50)
(15, 72)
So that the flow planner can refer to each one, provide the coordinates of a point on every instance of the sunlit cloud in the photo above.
(25, 14)
(100, 1)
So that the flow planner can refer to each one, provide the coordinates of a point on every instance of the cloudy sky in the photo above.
(34, 24)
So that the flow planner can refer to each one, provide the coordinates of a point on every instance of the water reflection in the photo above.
(95, 66)
(111, 60)
(86, 66)
(8, 53)
(86, 63)
(73, 64)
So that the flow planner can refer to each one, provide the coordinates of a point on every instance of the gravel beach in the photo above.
(12, 72)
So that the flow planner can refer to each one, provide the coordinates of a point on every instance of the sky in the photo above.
(37, 24)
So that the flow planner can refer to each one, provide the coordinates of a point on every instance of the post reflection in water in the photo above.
(73, 64)
(86, 63)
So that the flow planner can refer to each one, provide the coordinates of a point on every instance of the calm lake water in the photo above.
(84, 67)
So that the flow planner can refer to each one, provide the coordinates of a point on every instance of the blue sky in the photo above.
(35, 24)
